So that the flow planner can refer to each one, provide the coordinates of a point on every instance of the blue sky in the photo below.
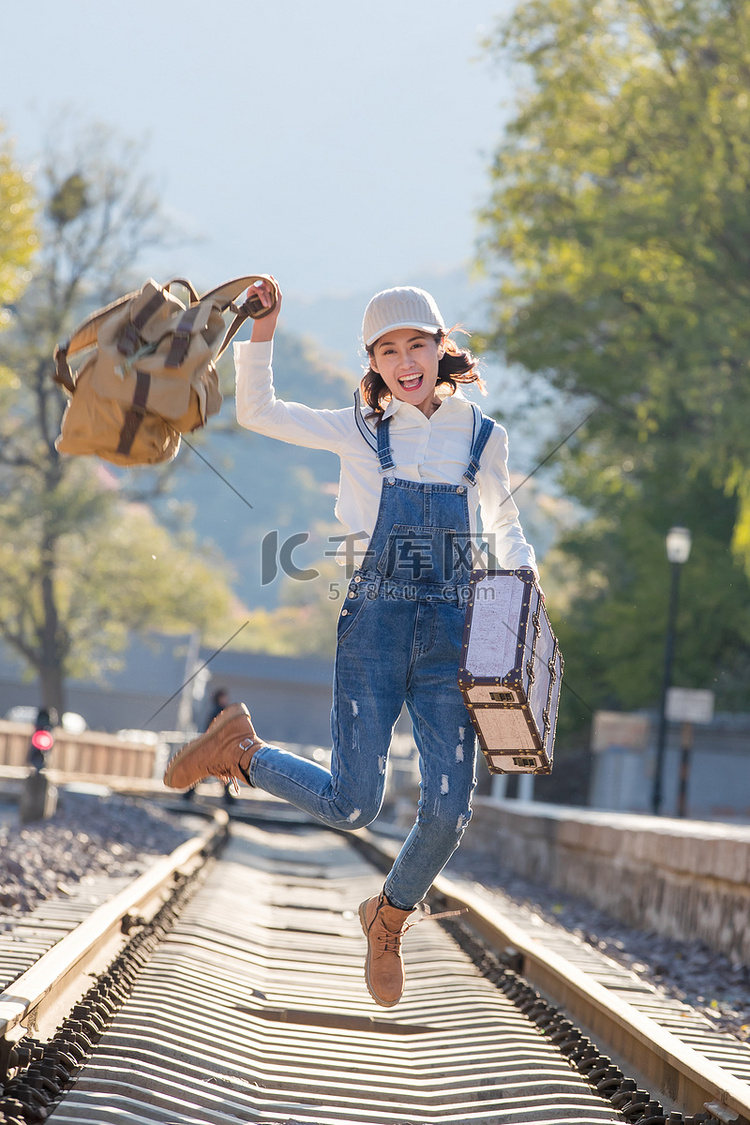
(342, 146)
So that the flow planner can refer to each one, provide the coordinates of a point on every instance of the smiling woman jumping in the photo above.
(418, 462)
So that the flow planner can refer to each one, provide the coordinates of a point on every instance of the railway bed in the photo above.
(244, 1001)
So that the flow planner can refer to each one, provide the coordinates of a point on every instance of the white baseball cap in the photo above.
(402, 307)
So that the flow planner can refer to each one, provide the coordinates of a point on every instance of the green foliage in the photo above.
(620, 200)
(69, 200)
(112, 570)
(305, 622)
(18, 237)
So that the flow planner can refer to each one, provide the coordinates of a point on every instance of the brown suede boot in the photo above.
(384, 926)
(224, 751)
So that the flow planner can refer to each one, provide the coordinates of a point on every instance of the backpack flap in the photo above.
(149, 314)
(183, 386)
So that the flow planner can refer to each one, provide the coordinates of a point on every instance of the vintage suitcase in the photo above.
(511, 671)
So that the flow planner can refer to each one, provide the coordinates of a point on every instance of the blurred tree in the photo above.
(79, 566)
(305, 621)
(619, 233)
(18, 237)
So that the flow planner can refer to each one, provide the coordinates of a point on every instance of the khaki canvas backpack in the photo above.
(151, 372)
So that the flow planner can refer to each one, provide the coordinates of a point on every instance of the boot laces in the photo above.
(426, 916)
(389, 941)
(231, 776)
(228, 779)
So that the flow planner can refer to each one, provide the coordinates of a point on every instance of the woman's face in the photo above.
(407, 362)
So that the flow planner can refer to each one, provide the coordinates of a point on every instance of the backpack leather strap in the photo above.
(135, 413)
(181, 337)
(252, 306)
(224, 295)
(130, 338)
(183, 281)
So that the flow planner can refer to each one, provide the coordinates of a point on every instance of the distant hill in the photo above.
(282, 487)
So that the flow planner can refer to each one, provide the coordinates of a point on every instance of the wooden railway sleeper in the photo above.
(42, 1071)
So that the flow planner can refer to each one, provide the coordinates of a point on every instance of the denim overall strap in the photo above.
(483, 427)
(362, 426)
(385, 455)
(380, 440)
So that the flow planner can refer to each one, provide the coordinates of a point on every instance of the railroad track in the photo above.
(226, 986)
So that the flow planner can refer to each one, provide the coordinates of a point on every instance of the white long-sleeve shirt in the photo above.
(434, 449)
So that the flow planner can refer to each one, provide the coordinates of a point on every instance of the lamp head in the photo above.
(679, 541)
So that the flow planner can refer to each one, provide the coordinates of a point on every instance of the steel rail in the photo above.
(673, 1069)
(44, 985)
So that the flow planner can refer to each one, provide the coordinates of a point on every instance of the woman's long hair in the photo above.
(457, 365)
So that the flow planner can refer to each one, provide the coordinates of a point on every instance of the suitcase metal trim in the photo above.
(511, 671)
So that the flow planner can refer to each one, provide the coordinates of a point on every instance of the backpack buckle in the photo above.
(129, 340)
(178, 349)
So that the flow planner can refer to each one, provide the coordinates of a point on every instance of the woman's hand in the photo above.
(265, 328)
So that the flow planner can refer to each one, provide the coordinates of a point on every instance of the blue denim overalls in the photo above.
(399, 640)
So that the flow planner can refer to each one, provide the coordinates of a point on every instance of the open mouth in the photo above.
(411, 382)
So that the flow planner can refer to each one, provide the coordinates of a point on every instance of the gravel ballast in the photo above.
(686, 971)
(89, 835)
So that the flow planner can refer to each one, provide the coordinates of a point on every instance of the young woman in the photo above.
(417, 461)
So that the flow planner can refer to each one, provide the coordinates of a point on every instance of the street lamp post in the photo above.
(678, 551)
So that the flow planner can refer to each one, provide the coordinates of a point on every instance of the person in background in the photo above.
(219, 702)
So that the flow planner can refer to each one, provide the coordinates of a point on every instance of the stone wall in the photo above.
(686, 879)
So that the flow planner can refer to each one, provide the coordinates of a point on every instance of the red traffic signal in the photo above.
(42, 740)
